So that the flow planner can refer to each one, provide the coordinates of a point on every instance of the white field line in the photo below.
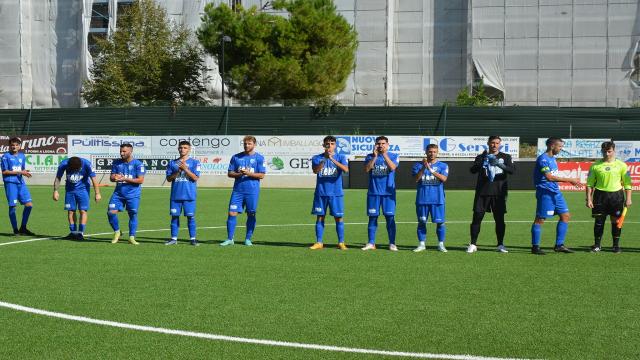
(240, 339)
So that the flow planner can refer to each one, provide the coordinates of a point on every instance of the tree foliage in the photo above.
(305, 56)
(147, 60)
(478, 97)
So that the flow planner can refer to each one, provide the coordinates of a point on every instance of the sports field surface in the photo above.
(62, 299)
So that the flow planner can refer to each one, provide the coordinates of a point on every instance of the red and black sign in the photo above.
(37, 144)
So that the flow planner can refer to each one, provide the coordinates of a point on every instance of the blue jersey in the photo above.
(382, 180)
(183, 187)
(131, 170)
(77, 181)
(13, 163)
(545, 164)
(329, 178)
(253, 163)
(430, 188)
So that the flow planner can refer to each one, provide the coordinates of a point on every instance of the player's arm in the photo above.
(477, 163)
(6, 167)
(96, 188)
(232, 171)
(338, 164)
(114, 176)
(56, 186)
(573, 181)
(626, 184)
(259, 171)
(319, 165)
(508, 165)
(441, 177)
(136, 180)
(390, 164)
(371, 163)
(420, 171)
(171, 174)
(589, 196)
(189, 173)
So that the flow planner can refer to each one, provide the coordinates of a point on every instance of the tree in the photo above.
(147, 60)
(478, 97)
(306, 56)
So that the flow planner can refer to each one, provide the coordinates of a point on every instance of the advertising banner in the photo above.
(628, 151)
(44, 163)
(581, 170)
(152, 165)
(201, 145)
(37, 144)
(288, 145)
(88, 145)
(576, 148)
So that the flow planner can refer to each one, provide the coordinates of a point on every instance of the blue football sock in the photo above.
(113, 221)
(441, 231)
(133, 223)
(372, 228)
(561, 232)
(231, 226)
(319, 230)
(391, 228)
(422, 231)
(536, 233)
(81, 228)
(175, 226)
(251, 225)
(13, 218)
(191, 224)
(72, 228)
(25, 216)
(340, 231)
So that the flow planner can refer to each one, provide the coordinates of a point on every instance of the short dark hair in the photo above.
(329, 138)
(607, 145)
(382, 138)
(126, 145)
(184, 142)
(493, 137)
(15, 140)
(431, 146)
(552, 140)
(249, 138)
(75, 163)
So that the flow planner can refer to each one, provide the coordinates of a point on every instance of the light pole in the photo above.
(224, 39)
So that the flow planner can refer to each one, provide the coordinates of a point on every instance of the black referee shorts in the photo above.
(607, 203)
(495, 204)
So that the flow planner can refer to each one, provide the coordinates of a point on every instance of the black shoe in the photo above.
(537, 251)
(25, 231)
(70, 236)
(16, 232)
(79, 236)
(616, 250)
(562, 249)
(595, 248)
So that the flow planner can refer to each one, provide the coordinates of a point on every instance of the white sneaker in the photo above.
(369, 246)
(502, 249)
(472, 248)
(393, 247)
(420, 248)
(441, 247)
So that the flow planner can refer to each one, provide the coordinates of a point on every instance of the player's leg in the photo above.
(71, 206)
(389, 211)
(336, 204)
(544, 208)
(82, 224)
(24, 197)
(319, 208)
(235, 207)
(438, 218)
(175, 209)
(132, 210)
(251, 205)
(11, 192)
(373, 211)
(115, 206)
(499, 209)
(562, 209)
(600, 217)
(479, 208)
(189, 208)
(82, 201)
(615, 205)
(422, 213)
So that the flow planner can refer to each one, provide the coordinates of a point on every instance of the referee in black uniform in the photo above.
(492, 167)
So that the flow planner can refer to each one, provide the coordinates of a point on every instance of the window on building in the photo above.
(100, 16)
(635, 65)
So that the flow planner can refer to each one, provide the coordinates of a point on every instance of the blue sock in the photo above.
(536, 233)
(133, 223)
(72, 228)
(251, 225)
(113, 221)
(422, 231)
(191, 224)
(340, 231)
(371, 229)
(175, 226)
(25, 216)
(319, 230)
(561, 232)
(441, 230)
(81, 228)
(391, 228)
(13, 218)
(231, 226)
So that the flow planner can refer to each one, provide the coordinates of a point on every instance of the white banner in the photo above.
(576, 148)
(288, 145)
(201, 145)
(87, 145)
(628, 151)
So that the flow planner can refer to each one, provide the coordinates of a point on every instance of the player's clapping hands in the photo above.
(26, 173)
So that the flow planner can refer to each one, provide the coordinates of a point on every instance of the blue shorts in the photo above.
(240, 201)
(176, 207)
(550, 204)
(436, 211)
(119, 203)
(17, 193)
(388, 203)
(335, 203)
(76, 201)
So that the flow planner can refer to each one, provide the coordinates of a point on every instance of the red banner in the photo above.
(37, 144)
(581, 170)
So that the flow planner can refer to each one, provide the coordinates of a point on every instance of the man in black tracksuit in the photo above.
(492, 167)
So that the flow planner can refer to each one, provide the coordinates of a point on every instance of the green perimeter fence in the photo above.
(528, 123)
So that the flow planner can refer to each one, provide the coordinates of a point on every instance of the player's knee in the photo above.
(565, 217)
(439, 225)
(390, 218)
(422, 219)
(132, 213)
(114, 212)
(251, 214)
(233, 213)
(538, 220)
(320, 218)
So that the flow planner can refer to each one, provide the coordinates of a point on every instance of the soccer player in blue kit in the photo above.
(13, 166)
(549, 198)
(128, 173)
(247, 168)
(329, 167)
(381, 166)
(183, 174)
(430, 176)
(77, 188)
